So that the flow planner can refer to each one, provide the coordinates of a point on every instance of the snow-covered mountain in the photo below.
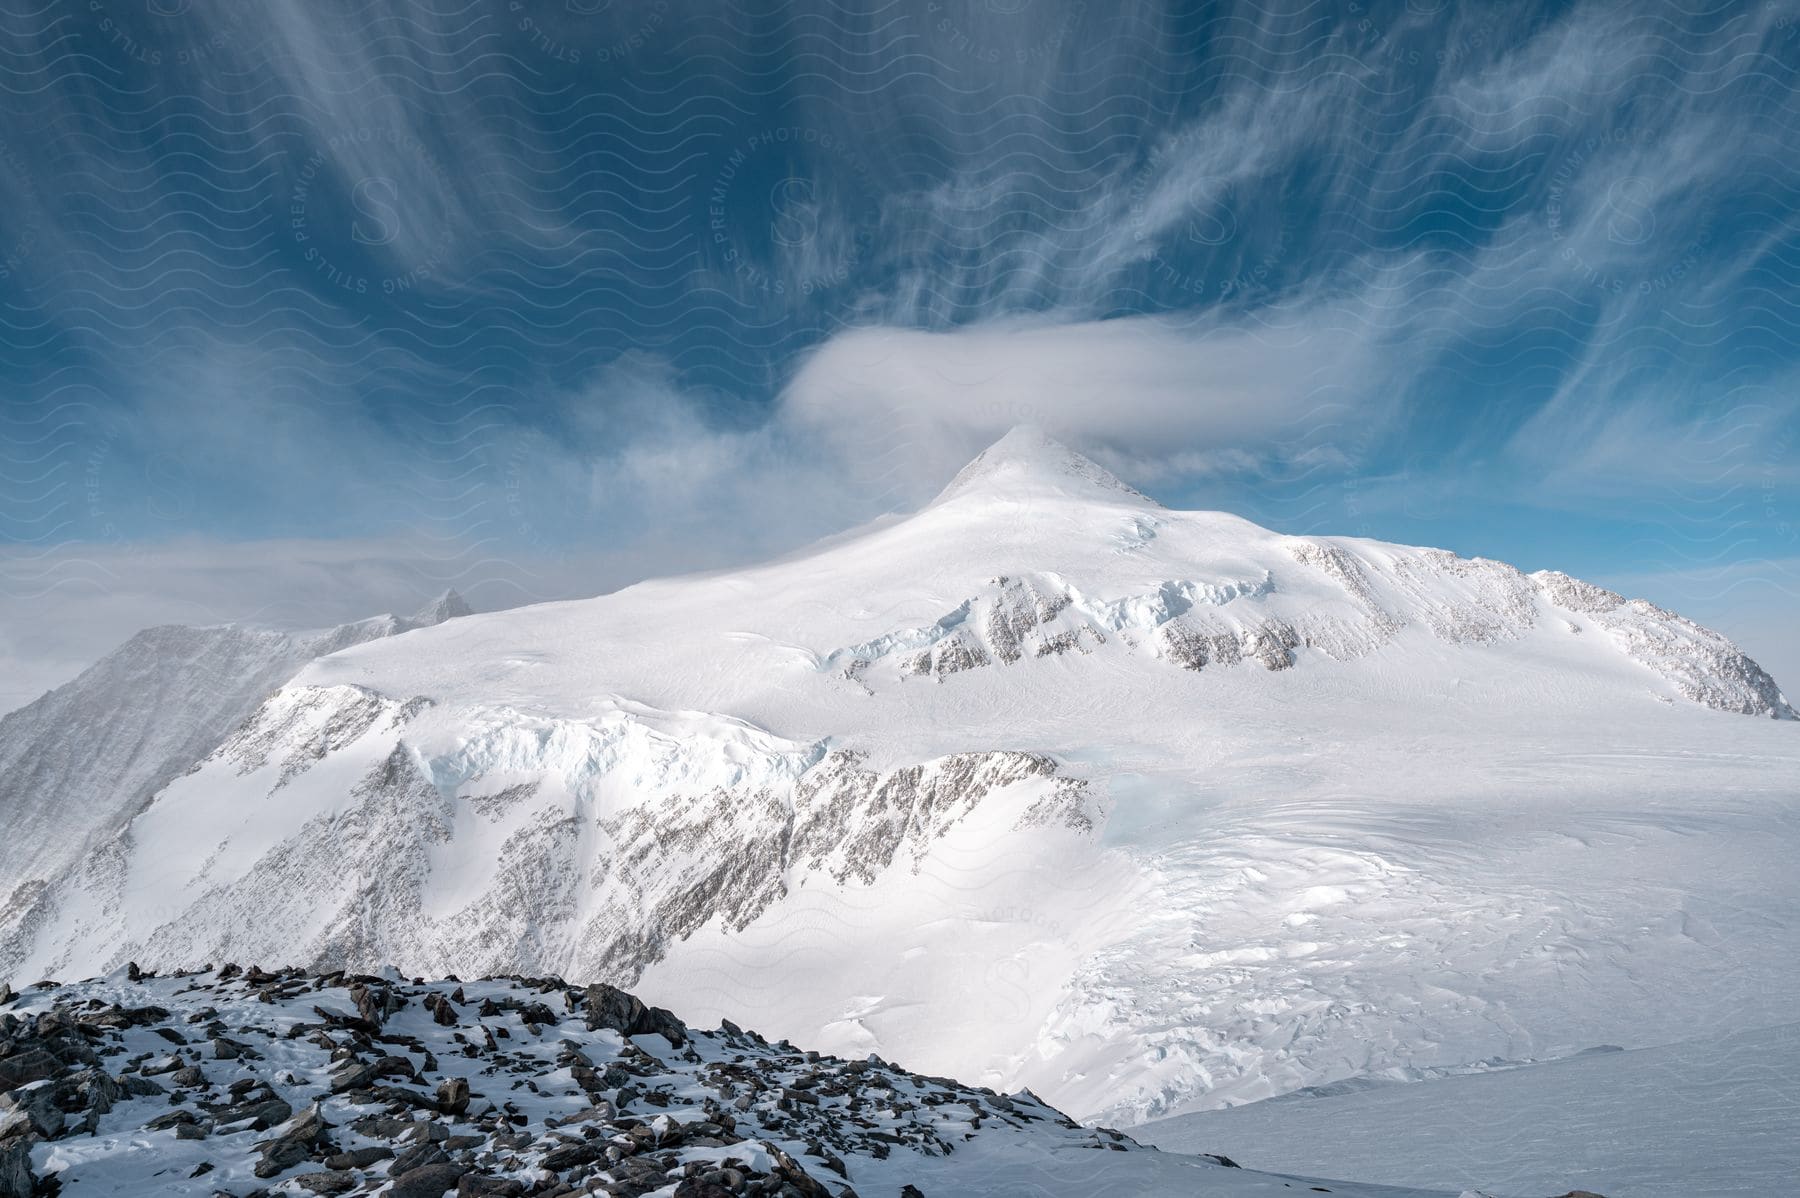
(80, 761)
(1151, 811)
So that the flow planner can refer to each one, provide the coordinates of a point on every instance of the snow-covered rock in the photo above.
(230, 1081)
(1151, 811)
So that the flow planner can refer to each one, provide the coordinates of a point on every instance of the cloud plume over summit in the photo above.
(546, 291)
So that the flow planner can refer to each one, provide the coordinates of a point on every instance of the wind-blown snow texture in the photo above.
(1046, 785)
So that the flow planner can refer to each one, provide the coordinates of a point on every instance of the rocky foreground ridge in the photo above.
(333, 1084)
(243, 1082)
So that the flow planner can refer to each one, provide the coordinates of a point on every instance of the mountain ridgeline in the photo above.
(979, 786)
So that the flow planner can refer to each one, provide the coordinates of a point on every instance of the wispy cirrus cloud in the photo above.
(522, 287)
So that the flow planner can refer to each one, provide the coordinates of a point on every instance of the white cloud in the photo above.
(1145, 391)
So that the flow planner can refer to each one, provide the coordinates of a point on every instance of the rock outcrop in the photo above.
(233, 1081)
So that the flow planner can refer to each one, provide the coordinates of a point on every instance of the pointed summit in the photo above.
(447, 606)
(1027, 458)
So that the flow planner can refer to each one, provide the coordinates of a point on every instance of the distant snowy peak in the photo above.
(1029, 460)
(447, 606)
(83, 758)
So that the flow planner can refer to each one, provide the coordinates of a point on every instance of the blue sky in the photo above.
(311, 308)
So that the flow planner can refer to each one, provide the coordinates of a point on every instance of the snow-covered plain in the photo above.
(1712, 1117)
(1151, 811)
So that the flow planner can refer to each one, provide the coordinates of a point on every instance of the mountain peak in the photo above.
(1029, 457)
(447, 606)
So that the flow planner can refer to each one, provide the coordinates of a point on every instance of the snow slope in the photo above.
(1151, 811)
(1705, 1118)
(81, 760)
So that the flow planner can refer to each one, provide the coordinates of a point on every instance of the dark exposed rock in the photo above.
(139, 1087)
(571, 1155)
(171, 1119)
(417, 1157)
(608, 1006)
(279, 1157)
(480, 1185)
(292, 1142)
(453, 1095)
(694, 1187)
(231, 1050)
(427, 1181)
(27, 1066)
(339, 1020)
(443, 1011)
(370, 1011)
(356, 1076)
(262, 1112)
(189, 1076)
(162, 1065)
(420, 1131)
(88, 1089)
(31, 1110)
(416, 1099)
(16, 1180)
